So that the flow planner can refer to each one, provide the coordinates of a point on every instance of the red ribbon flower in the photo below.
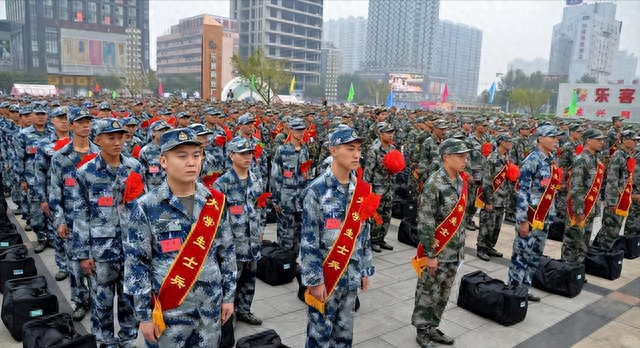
(513, 172)
(631, 164)
(220, 140)
(133, 187)
(261, 202)
(60, 143)
(304, 168)
(369, 208)
(486, 149)
(579, 149)
(257, 152)
(135, 153)
(228, 133)
(394, 162)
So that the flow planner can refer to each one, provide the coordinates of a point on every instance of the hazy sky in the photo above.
(511, 29)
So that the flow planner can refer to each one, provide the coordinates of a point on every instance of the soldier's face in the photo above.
(40, 119)
(60, 123)
(297, 133)
(347, 155)
(242, 160)
(247, 129)
(82, 127)
(507, 145)
(183, 122)
(386, 137)
(525, 132)
(595, 144)
(548, 143)
(182, 163)
(104, 113)
(456, 161)
(629, 144)
(204, 140)
(111, 143)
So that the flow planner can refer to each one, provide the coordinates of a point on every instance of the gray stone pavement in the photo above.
(605, 314)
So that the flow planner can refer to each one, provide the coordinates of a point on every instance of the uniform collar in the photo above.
(200, 196)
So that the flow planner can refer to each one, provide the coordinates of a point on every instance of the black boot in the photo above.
(481, 253)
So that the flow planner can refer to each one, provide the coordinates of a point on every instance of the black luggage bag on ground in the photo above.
(264, 339)
(276, 267)
(556, 229)
(14, 252)
(55, 331)
(24, 300)
(227, 336)
(272, 218)
(492, 298)
(604, 264)
(14, 266)
(408, 232)
(9, 238)
(558, 277)
(629, 244)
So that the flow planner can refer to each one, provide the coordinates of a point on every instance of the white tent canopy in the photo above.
(33, 90)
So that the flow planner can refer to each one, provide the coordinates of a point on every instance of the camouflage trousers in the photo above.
(510, 209)
(105, 285)
(432, 294)
(289, 231)
(471, 202)
(40, 223)
(632, 226)
(610, 230)
(490, 224)
(334, 329)
(246, 286)
(561, 204)
(25, 205)
(576, 241)
(526, 256)
(186, 329)
(60, 245)
(78, 280)
(378, 232)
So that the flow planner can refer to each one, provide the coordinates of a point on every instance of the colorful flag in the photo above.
(573, 106)
(293, 84)
(389, 99)
(492, 92)
(352, 93)
(253, 82)
(160, 89)
(97, 88)
(445, 93)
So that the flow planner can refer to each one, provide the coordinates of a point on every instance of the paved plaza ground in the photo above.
(605, 314)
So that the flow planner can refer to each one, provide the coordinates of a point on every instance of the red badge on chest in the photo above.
(287, 174)
(106, 201)
(236, 210)
(169, 245)
(31, 150)
(332, 224)
(154, 169)
(69, 182)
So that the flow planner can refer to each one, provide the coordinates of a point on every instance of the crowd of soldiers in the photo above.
(98, 183)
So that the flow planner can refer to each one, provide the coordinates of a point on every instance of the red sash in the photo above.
(445, 231)
(624, 199)
(536, 217)
(590, 199)
(614, 147)
(186, 267)
(338, 258)
(498, 180)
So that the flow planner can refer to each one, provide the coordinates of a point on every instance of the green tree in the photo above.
(152, 81)
(530, 98)
(586, 78)
(109, 81)
(135, 81)
(378, 91)
(8, 78)
(269, 75)
(177, 83)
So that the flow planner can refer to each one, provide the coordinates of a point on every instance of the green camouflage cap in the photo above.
(592, 134)
(453, 145)
(503, 138)
(574, 128)
(440, 124)
(629, 134)
(384, 127)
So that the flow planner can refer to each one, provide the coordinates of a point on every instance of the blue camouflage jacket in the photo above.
(101, 214)
(152, 172)
(26, 147)
(325, 199)
(287, 182)
(157, 216)
(258, 166)
(535, 173)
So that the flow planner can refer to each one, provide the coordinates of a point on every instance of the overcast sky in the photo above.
(511, 29)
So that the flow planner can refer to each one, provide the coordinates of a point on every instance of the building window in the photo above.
(119, 16)
(51, 39)
(36, 62)
(63, 10)
(106, 14)
(78, 11)
(34, 46)
(47, 8)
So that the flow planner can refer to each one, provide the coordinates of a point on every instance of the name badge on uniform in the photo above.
(236, 210)
(69, 182)
(154, 169)
(287, 174)
(169, 245)
(544, 182)
(332, 224)
(31, 150)
(106, 201)
(175, 226)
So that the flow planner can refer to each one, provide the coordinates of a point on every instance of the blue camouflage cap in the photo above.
(54, 103)
(344, 135)
(121, 109)
(297, 123)
(164, 112)
(200, 129)
(39, 109)
(104, 106)
(129, 121)
(547, 131)
(182, 114)
(246, 118)
(4, 105)
(453, 146)
(160, 125)
(172, 138)
(57, 112)
(25, 110)
(14, 107)
(78, 114)
(109, 125)
(240, 145)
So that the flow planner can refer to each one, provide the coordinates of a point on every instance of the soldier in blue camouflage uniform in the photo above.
(381, 181)
(616, 178)
(130, 124)
(440, 195)
(152, 172)
(583, 171)
(27, 119)
(10, 129)
(258, 165)
(535, 173)
(491, 215)
(287, 184)
(101, 217)
(565, 160)
(328, 197)
(214, 120)
(183, 119)
(522, 147)
(166, 213)
(476, 163)
(26, 150)
(242, 186)
(62, 199)
(141, 115)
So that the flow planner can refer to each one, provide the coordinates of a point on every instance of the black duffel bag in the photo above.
(276, 267)
(14, 252)
(272, 218)
(9, 238)
(55, 331)
(14, 267)
(559, 277)
(629, 244)
(24, 300)
(264, 339)
(556, 229)
(604, 264)
(493, 299)
(227, 336)
(408, 232)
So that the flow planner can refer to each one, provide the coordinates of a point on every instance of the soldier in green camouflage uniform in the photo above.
(567, 155)
(380, 179)
(429, 158)
(583, 171)
(476, 162)
(632, 226)
(441, 193)
(612, 139)
(616, 178)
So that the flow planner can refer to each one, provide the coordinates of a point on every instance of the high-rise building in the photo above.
(287, 29)
(200, 46)
(529, 66)
(330, 68)
(457, 58)
(6, 51)
(624, 68)
(74, 40)
(349, 36)
(585, 42)
(401, 35)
